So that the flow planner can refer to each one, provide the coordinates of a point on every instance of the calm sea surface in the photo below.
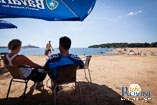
(78, 51)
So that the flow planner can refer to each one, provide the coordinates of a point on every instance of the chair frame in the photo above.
(86, 66)
(63, 70)
(20, 81)
(14, 71)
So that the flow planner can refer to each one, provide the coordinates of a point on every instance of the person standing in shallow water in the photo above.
(49, 49)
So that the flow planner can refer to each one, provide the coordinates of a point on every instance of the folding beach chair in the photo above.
(66, 74)
(16, 77)
(86, 66)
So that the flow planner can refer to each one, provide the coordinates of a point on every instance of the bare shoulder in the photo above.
(21, 57)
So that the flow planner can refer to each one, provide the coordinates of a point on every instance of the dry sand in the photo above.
(109, 74)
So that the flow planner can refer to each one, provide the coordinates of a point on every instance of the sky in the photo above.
(111, 21)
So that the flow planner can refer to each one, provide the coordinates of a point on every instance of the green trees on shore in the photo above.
(124, 45)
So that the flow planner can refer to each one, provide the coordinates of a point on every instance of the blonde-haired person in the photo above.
(28, 69)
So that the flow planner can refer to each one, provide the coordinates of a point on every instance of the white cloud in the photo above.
(140, 11)
(134, 13)
(131, 14)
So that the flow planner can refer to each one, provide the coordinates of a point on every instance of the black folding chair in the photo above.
(16, 77)
(66, 74)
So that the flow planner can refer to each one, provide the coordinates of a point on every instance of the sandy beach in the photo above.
(109, 75)
(135, 51)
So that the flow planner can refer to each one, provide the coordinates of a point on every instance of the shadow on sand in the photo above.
(92, 94)
(3, 70)
(4, 73)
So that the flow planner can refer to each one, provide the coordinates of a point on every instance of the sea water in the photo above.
(78, 51)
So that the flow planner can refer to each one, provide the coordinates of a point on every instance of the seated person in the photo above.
(63, 58)
(24, 64)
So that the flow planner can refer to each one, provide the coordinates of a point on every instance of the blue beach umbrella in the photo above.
(6, 25)
(52, 10)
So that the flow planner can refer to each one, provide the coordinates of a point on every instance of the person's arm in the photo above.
(77, 60)
(80, 62)
(46, 66)
(23, 60)
(51, 48)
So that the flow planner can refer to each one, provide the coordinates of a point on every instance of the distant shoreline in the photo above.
(125, 45)
(27, 46)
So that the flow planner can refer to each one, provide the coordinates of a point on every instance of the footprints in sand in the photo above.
(151, 72)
